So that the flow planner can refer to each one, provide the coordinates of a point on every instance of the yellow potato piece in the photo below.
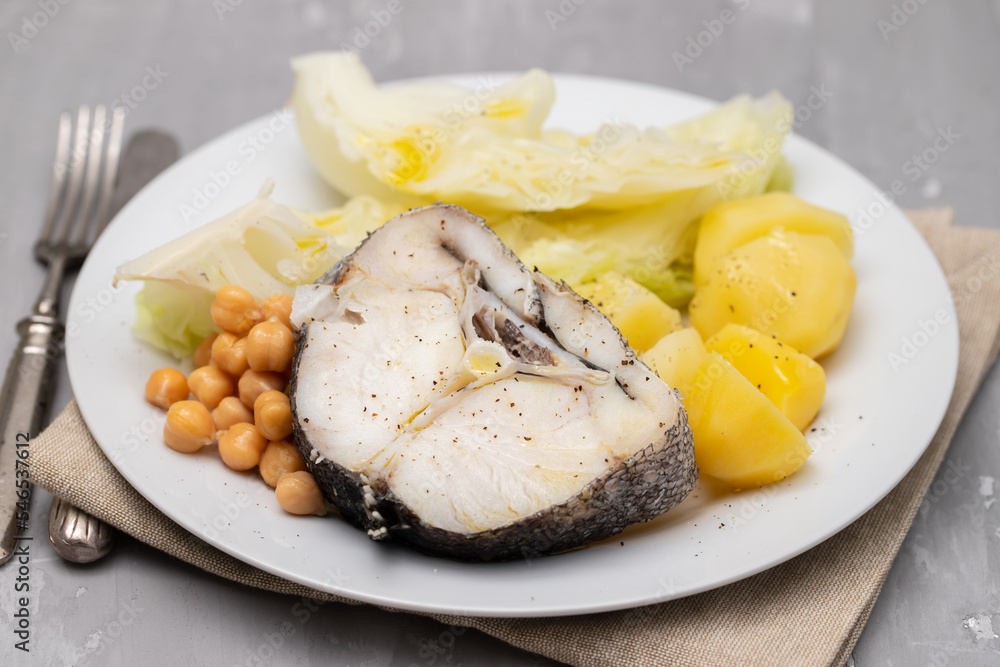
(729, 225)
(799, 287)
(676, 357)
(739, 436)
(792, 381)
(641, 316)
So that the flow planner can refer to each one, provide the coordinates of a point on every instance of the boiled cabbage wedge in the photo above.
(486, 148)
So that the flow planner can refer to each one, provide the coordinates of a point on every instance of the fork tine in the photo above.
(76, 172)
(59, 168)
(93, 173)
(112, 155)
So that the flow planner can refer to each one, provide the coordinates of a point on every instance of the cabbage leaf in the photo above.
(263, 246)
(486, 149)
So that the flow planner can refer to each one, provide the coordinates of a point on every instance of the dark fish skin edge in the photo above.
(623, 495)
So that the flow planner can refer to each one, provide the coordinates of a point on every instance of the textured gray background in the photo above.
(890, 93)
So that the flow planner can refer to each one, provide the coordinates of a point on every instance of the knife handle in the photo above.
(24, 400)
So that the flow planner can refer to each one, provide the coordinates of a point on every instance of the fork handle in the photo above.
(24, 400)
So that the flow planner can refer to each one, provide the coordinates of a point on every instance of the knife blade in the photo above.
(148, 153)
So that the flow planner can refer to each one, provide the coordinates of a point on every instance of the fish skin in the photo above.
(638, 488)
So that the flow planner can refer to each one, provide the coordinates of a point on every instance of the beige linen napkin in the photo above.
(807, 611)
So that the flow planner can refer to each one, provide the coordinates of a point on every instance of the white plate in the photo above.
(878, 417)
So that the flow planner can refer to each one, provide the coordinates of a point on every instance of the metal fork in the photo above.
(83, 180)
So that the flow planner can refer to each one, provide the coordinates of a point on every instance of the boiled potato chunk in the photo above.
(641, 316)
(729, 225)
(676, 357)
(799, 287)
(739, 436)
(789, 379)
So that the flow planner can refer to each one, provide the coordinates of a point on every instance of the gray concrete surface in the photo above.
(895, 78)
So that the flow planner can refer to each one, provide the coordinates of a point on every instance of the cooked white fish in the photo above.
(447, 397)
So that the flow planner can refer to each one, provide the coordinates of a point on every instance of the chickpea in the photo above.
(278, 308)
(272, 414)
(270, 346)
(298, 493)
(235, 309)
(230, 411)
(280, 458)
(189, 427)
(229, 352)
(253, 383)
(165, 387)
(241, 446)
(210, 385)
(203, 353)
